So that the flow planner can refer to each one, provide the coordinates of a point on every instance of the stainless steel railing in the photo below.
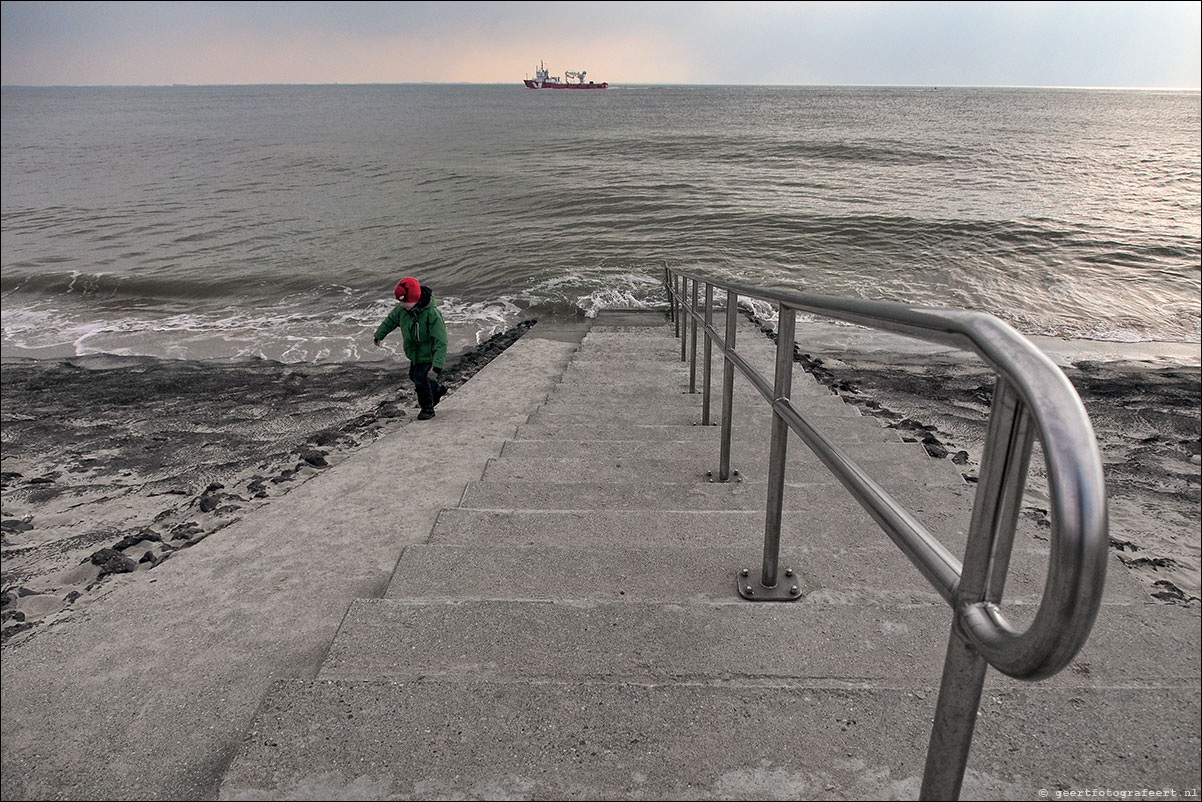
(1032, 397)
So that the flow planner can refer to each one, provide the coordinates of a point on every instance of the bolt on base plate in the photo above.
(752, 590)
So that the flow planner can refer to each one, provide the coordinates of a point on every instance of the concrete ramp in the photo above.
(570, 629)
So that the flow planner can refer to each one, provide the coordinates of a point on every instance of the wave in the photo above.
(277, 220)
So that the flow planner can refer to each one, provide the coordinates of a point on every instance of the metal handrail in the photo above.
(1031, 396)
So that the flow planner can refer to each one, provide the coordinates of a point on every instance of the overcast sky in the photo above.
(1128, 44)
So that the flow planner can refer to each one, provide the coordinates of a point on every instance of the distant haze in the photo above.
(1092, 44)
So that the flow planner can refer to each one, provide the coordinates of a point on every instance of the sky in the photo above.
(1093, 44)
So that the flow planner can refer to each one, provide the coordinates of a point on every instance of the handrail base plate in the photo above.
(750, 589)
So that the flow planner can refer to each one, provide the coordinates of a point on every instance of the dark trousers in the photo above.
(426, 384)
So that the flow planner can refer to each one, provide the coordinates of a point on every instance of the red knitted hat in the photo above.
(408, 290)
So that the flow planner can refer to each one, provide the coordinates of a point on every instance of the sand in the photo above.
(113, 465)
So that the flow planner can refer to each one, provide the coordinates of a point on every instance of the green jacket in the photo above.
(422, 329)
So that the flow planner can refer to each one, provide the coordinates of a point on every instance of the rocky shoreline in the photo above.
(112, 465)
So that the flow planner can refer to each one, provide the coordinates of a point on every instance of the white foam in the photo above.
(339, 325)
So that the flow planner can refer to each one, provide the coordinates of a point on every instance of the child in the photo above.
(424, 335)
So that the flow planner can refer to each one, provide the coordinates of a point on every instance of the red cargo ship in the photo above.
(544, 80)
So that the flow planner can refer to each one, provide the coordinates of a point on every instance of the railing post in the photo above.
(782, 389)
(684, 333)
(676, 309)
(693, 330)
(709, 354)
(728, 385)
(667, 274)
(955, 718)
(999, 495)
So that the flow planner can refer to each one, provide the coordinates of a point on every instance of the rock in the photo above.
(112, 561)
(313, 457)
(15, 628)
(186, 530)
(934, 447)
(326, 437)
(133, 540)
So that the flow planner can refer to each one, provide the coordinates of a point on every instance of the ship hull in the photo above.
(532, 84)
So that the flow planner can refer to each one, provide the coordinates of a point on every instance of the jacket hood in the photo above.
(426, 298)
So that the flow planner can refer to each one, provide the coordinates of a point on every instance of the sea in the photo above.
(233, 222)
(220, 244)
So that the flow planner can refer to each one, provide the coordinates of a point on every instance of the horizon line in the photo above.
(612, 85)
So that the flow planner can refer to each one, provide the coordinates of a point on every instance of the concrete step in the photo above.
(839, 523)
(624, 338)
(687, 451)
(802, 467)
(658, 338)
(663, 329)
(634, 571)
(632, 320)
(660, 328)
(667, 390)
(588, 365)
(622, 374)
(660, 363)
(841, 429)
(603, 347)
(430, 739)
(622, 334)
(627, 373)
(656, 400)
(632, 411)
(668, 357)
(601, 333)
(574, 641)
(745, 342)
(836, 524)
(755, 348)
(639, 495)
(651, 393)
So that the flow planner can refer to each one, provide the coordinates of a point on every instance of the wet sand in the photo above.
(112, 465)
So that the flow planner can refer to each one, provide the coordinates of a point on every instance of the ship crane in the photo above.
(579, 75)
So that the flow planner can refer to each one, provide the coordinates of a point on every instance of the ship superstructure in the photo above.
(543, 79)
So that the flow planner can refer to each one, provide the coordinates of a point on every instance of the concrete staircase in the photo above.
(571, 629)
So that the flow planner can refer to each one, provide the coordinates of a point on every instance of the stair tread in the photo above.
(858, 645)
(638, 494)
(638, 571)
(435, 739)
